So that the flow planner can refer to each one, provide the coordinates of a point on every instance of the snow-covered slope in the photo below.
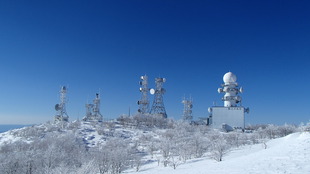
(89, 145)
(92, 134)
(290, 154)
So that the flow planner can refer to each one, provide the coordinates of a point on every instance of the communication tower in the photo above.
(230, 88)
(158, 107)
(187, 110)
(144, 101)
(230, 116)
(61, 114)
(93, 110)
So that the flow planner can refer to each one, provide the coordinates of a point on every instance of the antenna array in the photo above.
(144, 101)
(93, 110)
(187, 110)
(158, 107)
(61, 114)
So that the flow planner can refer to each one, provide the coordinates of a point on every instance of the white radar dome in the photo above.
(229, 78)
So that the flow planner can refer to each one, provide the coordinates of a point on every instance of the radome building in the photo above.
(231, 115)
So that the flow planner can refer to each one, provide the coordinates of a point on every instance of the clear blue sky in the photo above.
(108, 45)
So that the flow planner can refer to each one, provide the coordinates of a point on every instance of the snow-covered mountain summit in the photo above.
(151, 145)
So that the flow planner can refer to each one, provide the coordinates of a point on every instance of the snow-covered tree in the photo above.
(218, 147)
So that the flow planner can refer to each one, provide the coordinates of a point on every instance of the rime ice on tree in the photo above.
(61, 114)
(230, 116)
(187, 110)
(158, 107)
(144, 101)
(93, 110)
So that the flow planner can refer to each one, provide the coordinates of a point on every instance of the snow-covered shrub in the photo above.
(218, 147)
(115, 156)
(286, 129)
(66, 148)
(110, 126)
(125, 120)
(274, 131)
(50, 127)
(29, 132)
(150, 143)
(307, 127)
(42, 155)
(75, 125)
(145, 121)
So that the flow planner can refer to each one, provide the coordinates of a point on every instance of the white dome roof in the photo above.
(229, 78)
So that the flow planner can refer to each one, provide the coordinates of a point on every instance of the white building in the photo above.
(230, 116)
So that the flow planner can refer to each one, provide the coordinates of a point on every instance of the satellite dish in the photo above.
(140, 89)
(164, 79)
(241, 90)
(140, 83)
(64, 88)
(209, 110)
(152, 91)
(219, 90)
(142, 78)
(57, 107)
(191, 106)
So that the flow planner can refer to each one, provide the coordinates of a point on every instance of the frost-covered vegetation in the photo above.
(129, 142)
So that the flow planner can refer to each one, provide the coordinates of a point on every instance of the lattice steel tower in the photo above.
(144, 101)
(93, 110)
(61, 114)
(187, 110)
(158, 107)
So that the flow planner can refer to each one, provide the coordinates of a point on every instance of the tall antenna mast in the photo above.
(61, 114)
(187, 110)
(158, 107)
(144, 101)
(93, 110)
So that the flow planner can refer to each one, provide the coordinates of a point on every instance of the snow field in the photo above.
(90, 147)
(287, 155)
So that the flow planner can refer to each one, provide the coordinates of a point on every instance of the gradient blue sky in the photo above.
(108, 45)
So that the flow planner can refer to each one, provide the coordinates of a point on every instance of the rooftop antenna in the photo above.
(144, 101)
(61, 114)
(158, 107)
